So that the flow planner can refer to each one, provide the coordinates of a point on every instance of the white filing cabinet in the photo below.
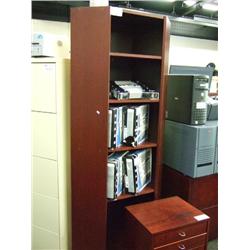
(51, 213)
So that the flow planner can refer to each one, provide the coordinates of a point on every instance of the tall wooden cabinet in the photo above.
(50, 154)
(107, 44)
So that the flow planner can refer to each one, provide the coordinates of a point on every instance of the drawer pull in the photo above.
(182, 247)
(182, 234)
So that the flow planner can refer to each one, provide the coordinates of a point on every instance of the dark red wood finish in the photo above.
(90, 64)
(179, 234)
(201, 192)
(190, 243)
(165, 224)
(152, 57)
(212, 212)
(97, 224)
(161, 116)
(132, 101)
(128, 148)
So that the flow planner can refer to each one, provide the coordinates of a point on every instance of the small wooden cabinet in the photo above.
(166, 224)
(201, 192)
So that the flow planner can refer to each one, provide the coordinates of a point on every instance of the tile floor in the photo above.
(213, 245)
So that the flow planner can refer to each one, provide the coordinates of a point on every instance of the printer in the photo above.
(191, 150)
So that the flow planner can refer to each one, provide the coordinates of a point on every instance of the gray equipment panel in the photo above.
(190, 149)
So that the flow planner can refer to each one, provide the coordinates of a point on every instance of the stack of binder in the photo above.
(128, 172)
(131, 90)
(128, 125)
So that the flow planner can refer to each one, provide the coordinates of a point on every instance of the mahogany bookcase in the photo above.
(105, 47)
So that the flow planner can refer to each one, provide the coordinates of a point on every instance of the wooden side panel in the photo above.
(90, 47)
(174, 183)
(200, 192)
(204, 191)
(212, 212)
(138, 238)
(161, 118)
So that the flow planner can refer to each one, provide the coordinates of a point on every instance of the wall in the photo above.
(183, 50)
(192, 51)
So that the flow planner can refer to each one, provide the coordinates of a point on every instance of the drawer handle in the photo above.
(182, 247)
(182, 234)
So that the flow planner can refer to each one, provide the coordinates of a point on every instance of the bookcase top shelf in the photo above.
(127, 148)
(132, 55)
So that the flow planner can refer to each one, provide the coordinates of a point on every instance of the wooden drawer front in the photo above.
(180, 234)
(188, 244)
(44, 87)
(199, 248)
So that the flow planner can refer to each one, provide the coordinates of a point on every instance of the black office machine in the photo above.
(186, 99)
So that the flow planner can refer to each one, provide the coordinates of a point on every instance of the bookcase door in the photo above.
(89, 113)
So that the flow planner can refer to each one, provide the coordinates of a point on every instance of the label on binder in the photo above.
(115, 11)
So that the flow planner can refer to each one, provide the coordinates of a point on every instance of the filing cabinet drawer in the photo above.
(188, 244)
(179, 234)
(44, 87)
(44, 176)
(44, 135)
(43, 239)
(45, 213)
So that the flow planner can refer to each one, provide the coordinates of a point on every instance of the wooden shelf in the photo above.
(140, 56)
(124, 101)
(126, 148)
(145, 191)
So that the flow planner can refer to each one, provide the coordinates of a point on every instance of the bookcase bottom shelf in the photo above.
(116, 238)
(145, 191)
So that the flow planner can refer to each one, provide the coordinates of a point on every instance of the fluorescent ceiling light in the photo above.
(190, 2)
(209, 6)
